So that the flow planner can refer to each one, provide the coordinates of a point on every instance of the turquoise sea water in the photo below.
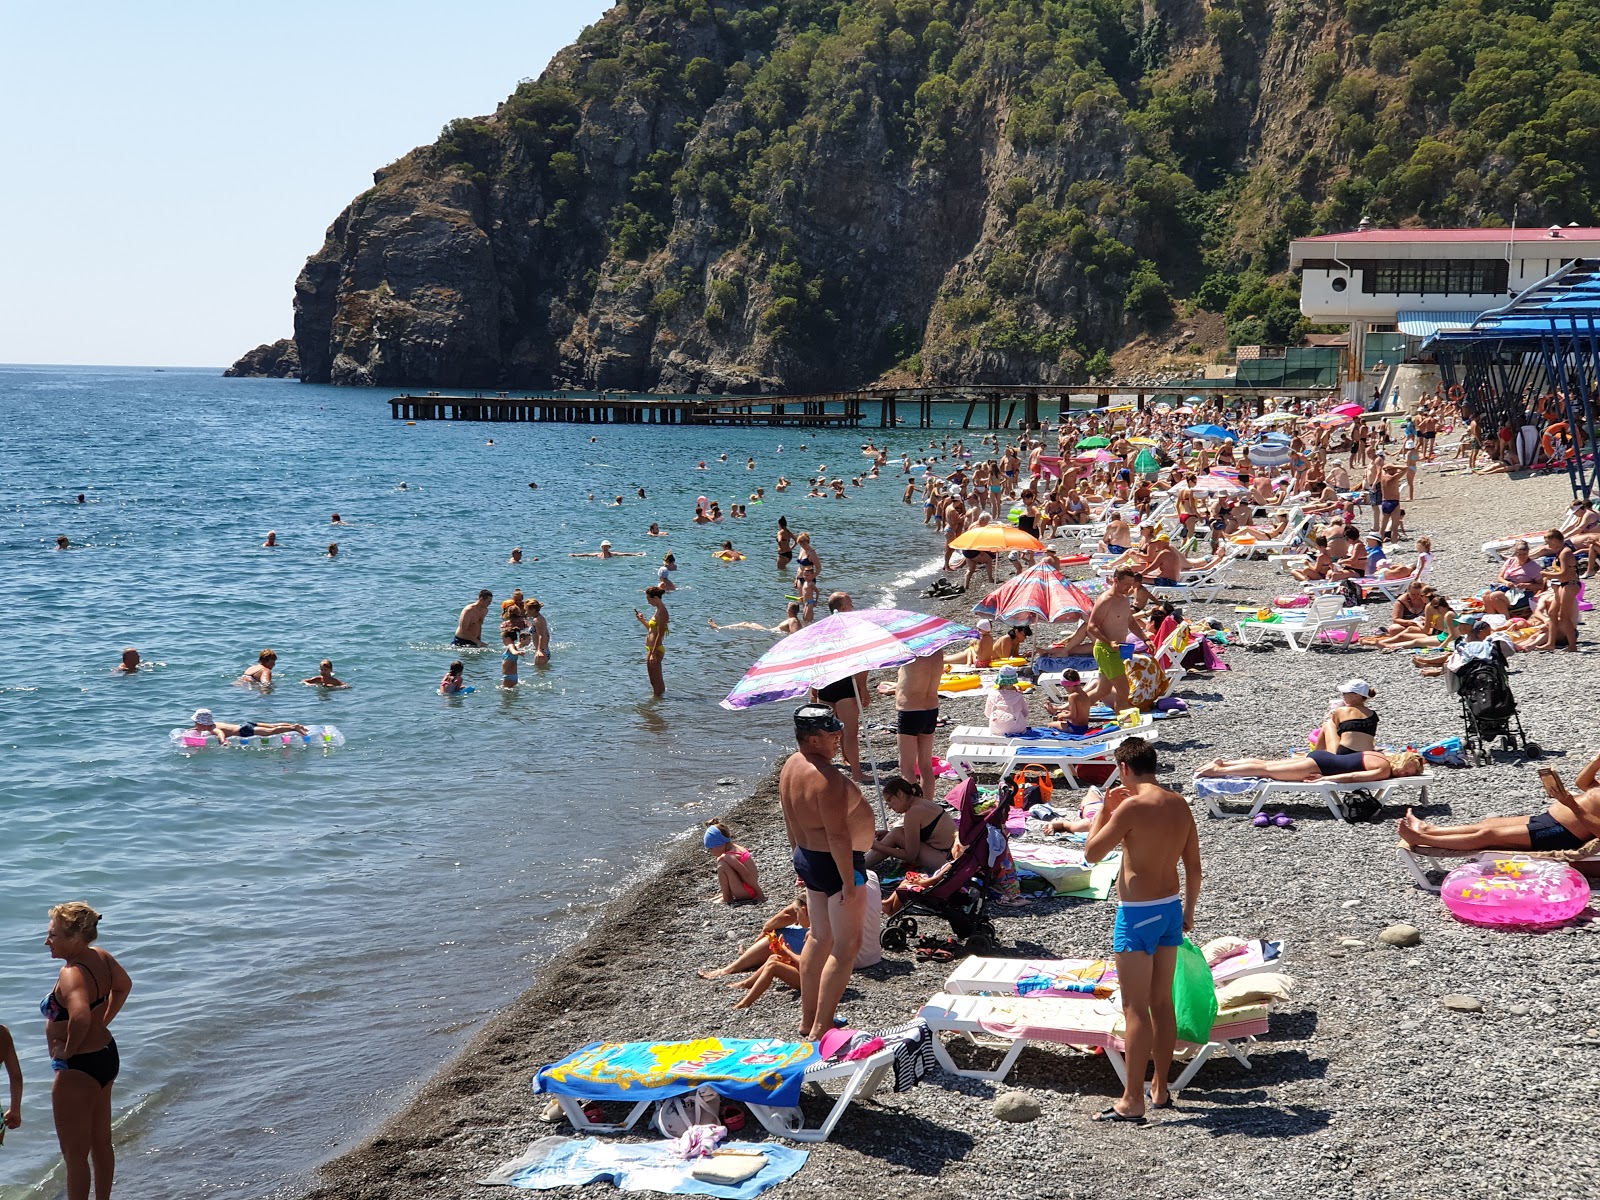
(310, 934)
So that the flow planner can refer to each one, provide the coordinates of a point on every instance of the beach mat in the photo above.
(1102, 878)
(553, 1162)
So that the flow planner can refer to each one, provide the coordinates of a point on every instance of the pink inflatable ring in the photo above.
(1504, 889)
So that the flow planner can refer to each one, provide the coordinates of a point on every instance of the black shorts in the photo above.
(820, 873)
(919, 722)
(839, 689)
(1545, 833)
(247, 730)
(458, 640)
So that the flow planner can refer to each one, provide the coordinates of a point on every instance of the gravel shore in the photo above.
(1366, 1086)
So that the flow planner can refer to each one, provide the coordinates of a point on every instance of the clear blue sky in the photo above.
(169, 165)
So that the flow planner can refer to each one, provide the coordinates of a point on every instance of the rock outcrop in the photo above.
(716, 195)
(273, 360)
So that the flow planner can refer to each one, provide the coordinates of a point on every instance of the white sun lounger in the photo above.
(972, 757)
(1009, 1024)
(862, 1079)
(979, 735)
(979, 976)
(1299, 522)
(1325, 614)
(1328, 790)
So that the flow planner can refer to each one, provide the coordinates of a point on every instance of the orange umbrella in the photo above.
(997, 538)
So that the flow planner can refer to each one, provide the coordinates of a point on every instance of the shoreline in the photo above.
(1347, 1095)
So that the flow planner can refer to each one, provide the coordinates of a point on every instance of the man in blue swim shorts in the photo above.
(1156, 832)
(830, 827)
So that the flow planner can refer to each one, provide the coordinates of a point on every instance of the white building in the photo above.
(1417, 281)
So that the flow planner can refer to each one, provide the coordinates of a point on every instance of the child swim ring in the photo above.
(1506, 889)
(960, 683)
(325, 737)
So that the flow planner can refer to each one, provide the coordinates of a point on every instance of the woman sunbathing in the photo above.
(1439, 625)
(1359, 766)
(1350, 726)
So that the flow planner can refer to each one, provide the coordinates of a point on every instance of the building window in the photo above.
(1339, 283)
(1437, 277)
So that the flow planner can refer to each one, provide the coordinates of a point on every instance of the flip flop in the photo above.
(1262, 821)
(1111, 1116)
(1283, 820)
(1150, 1100)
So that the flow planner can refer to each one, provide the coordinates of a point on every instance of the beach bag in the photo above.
(1194, 995)
(678, 1114)
(1362, 805)
(1029, 786)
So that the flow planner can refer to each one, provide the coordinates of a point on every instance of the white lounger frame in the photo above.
(1269, 790)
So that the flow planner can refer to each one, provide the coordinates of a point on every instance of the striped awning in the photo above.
(1419, 323)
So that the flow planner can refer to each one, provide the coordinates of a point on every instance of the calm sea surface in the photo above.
(310, 935)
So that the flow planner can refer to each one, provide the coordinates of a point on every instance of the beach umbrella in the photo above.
(1277, 436)
(1274, 418)
(1347, 410)
(1332, 418)
(1210, 483)
(996, 539)
(1185, 409)
(1095, 456)
(1194, 400)
(839, 646)
(1212, 433)
(1146, 464)
(1269, 454)
(1040, 593)
(1093, 443)
(1141, 441)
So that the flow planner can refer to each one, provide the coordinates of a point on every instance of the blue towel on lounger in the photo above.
(754, 1072)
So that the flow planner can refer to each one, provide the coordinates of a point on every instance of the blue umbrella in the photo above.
(1269, 454)
(1277, 436)
(1212, 433)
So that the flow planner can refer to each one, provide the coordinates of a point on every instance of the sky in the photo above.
(168, 166)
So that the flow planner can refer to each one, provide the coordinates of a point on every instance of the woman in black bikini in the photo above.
(1351, 726)
(89, 992)
(926, 834)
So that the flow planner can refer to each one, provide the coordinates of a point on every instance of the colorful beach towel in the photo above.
(553, 1162)
(754, 1072)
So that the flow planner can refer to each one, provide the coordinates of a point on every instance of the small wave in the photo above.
(892, 589)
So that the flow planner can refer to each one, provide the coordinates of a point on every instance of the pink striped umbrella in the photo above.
(1038, 592)
(843, 645)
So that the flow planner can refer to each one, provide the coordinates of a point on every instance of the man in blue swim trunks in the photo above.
(830, 826)
(1156, 831)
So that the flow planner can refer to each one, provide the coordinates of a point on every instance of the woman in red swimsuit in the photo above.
(89, 992)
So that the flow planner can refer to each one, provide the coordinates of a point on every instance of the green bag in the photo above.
(1194, 995)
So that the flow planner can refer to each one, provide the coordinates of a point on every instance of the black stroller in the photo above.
(1488, 708)
(958, 894)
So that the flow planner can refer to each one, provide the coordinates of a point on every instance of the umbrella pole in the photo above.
(871, 759)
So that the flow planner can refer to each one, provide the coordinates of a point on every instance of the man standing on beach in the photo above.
(1109, 622)
(1156, 831)
(916, 703)
(469, 629)
(849, 697)
(830, 826)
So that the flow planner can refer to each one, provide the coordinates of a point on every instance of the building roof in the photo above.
(1380, 236)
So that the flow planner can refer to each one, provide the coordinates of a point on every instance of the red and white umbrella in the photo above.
(1039, 592)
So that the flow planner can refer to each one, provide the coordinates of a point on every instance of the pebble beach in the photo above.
(1368, 1085)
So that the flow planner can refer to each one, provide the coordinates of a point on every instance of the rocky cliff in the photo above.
(275, 360)
(716, 195)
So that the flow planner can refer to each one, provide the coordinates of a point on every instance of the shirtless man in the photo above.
(538, 633)
(847, 696)
(954, 523)
(129, 664)
(1109, 622)
(830, 826)
(1389, 483)
(916, 705)
(1156, 831)
(469, 629)
(261, 673)
(325, 678)
(1567, 824)
(204, 723)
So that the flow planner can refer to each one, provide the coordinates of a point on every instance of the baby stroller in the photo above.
(959, 896)
(1488, 708)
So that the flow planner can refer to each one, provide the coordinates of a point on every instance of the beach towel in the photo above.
(753, 1072)
(1060, 866)
(912, 1043)
(553, 1162)
(1227, 786)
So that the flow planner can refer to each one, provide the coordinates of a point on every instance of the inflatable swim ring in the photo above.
(960, 683)
(1506, 889)
(728, 555)
(325, 737)
(461, 691)
(1009, 662)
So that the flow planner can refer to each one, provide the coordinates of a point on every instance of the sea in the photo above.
(312, 933)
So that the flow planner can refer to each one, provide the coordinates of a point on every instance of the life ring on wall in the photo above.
(1456, 392)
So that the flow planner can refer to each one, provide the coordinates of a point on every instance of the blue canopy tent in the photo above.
(1546, 339)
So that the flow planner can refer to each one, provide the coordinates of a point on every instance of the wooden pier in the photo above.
(992, 406)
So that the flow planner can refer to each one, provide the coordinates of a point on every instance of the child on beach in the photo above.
(452, 683)
(8, 1059)
(1007, 708)
(1073, 716)
(737, 878)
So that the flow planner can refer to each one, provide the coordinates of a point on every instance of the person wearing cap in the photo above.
(606, 551)
(830, 827)
(1350, 725)
(469, 628)
(205, 724)
(1007, 707)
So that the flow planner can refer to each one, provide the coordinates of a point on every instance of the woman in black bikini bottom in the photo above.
(89, 992)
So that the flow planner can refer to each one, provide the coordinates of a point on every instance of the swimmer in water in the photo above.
(81, 500)
(402, 485)
(336, 519)
(533, 486)
(591, 497)
(261, 673)
(791, 623)
(702, 465)
(516, 555)
(272, 540)
(333, 549)
(641, 493)
(728, 553)
(453, 682)
(129, 664)
(325, 678)
(62, 543)
(750, 464)
(617, 502)
(653, 531)
(538, 633)
(605, 551)
(723, 457)
(206, 725)
(490, 442)
(593, 440)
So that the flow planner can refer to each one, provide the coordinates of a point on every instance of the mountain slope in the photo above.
(710, 195)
